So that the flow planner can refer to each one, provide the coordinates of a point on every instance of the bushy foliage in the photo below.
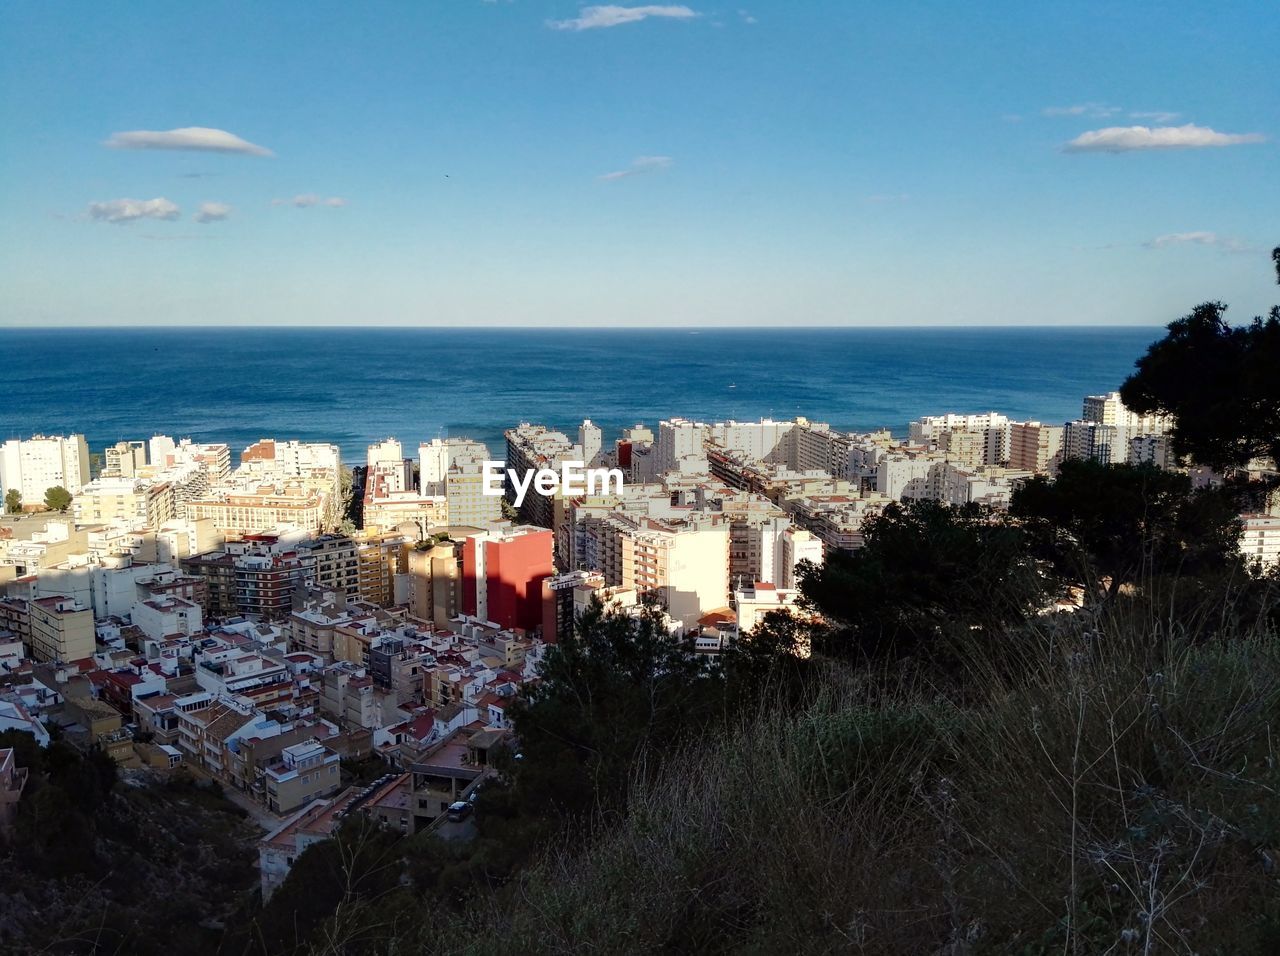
(57, 499)
(1218, 381)
(1104, 526)
(94, 866)
(925, 571)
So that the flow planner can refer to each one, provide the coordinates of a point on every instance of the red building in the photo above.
(502, 575)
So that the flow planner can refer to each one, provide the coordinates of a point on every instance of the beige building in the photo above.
(312, 628)
(109, 500)
(56, 544)
(266, 509)
(124, 459)
(685, 566)
(753, 602)
(303, 772)
(466, 502)
(380, 558)
(964, 446)
(1033, 446)
(391, 509)
(435, 581)
(61, 630)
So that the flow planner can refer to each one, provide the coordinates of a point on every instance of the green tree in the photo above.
(26, 752)
(1219, 382)
(1105, 526)
(57, 499)
(13, 502)
(617, 687)
(359, 865)
(926, 569)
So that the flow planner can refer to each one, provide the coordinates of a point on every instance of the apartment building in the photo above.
(262, 509)
(435, 582)
(387, 459)
(1110, 409)
(381, 565)
(1034, 446)
(160, 618)
(125, 499)
(303, 772)
(763, 441)
(389, 511)
(685, 566)
(337, 566)
(312, 626)
(530, 447)
(680, 447)
(32, 466)
(502, 574)
(61, 630)
(753, 602)
(1260, 539)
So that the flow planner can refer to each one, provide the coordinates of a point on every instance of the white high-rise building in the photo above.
(1109, 409)
(1260, 540)
(387, 452)
(214, 460)
(437, 456)
(990, 432)
(680, 441)
(39, 463)
(1108, 444)
(590, 439)
(387, 459)
(796, 545)
(160, 450)
(765, 440)
(905, 475)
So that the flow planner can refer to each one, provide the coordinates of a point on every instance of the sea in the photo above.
(354, 386)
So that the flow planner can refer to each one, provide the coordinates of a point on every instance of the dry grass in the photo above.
(1118, 793)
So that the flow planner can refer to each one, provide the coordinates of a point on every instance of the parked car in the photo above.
(459, 811)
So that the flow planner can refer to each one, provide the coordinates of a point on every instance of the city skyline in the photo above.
(555, 164)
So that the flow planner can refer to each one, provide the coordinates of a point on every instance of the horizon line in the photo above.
(572, 328)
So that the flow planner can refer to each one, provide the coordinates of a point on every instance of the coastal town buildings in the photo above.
(34, 465)
(184, 611)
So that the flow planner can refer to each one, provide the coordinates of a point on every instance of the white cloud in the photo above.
(593, 18)
(1156, 116)
(197, 138)
(306, 200)
(639, 165)
(129, 210)
(1198, 239)
(212, 212)
(1123, 139)
(747, 17)
(1098, 110)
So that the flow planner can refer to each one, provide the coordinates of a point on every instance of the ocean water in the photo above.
(354, 386)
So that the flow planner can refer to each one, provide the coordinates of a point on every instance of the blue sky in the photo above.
(542, 162)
